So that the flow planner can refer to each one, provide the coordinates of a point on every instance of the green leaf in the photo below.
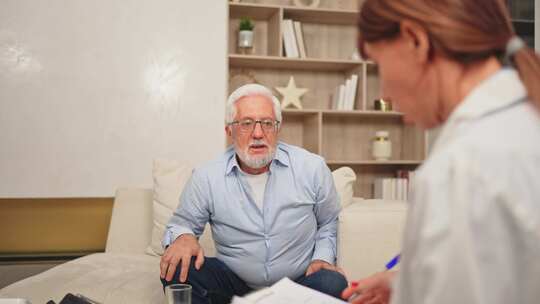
(246, 24)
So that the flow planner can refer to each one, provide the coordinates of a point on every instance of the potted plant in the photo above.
(245, 33)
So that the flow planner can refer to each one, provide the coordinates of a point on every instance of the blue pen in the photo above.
(393, 262)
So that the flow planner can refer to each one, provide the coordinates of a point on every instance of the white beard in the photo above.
(255, 162)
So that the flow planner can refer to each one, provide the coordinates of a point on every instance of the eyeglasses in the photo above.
(248, 125)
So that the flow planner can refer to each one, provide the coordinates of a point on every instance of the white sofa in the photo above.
(369, 235)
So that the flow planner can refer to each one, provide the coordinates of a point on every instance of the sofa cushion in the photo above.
(103, 277)
(344, 179)
(170, 177)
(131, 225)
(370, 233)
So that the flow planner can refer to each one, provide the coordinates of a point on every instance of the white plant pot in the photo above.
(245, 39)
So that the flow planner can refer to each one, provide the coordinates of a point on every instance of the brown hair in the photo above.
(463, 30)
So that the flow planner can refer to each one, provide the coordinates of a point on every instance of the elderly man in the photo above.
(272, 207)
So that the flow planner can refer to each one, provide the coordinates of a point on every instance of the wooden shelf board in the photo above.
(524, 27)
(374, 162)
(528, 21)
(315, 15)
(275, 62)
(297, 112)
(255, 11)
(361, 113)
(341, 112)
(319, 15)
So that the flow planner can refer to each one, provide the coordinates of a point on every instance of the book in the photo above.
(378, 189)
(395, 184)
(286, 291)
(335, 98)
(300, 39)
(401, 194)
(404, 189)
(354, 87)
(294, 42)
(391, 189)
(410, 179)
(289, 40)
(341, 97)
(347, 97)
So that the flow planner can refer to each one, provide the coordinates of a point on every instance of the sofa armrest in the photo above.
(131, 222)
(370, 233)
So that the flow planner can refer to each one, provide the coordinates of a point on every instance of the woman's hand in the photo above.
(375, 289)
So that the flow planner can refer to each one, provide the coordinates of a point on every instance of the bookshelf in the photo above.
(522, 14)
(342, 137)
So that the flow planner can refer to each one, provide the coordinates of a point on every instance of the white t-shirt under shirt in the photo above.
(258, 186)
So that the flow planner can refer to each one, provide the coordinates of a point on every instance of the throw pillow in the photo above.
(344, 179)
(169, 179)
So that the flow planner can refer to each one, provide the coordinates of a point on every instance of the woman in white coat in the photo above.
(473, 228)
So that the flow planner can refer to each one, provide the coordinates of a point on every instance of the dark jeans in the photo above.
(215, 283)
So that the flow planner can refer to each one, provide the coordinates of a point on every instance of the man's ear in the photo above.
(228, 131)
(416, 38)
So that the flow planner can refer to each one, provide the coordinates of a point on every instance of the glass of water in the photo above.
(178, 294)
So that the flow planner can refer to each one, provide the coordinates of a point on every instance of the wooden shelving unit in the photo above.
(522, 14)
(343, 137)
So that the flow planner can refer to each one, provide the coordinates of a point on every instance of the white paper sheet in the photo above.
(287, 292)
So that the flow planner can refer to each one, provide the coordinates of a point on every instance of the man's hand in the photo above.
(317, 265)
(373, 289)
(181, 251)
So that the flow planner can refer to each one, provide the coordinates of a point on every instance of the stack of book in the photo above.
(397, 188)
(345, 95)
(293, 39)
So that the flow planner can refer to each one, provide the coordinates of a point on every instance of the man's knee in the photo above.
(329, 282)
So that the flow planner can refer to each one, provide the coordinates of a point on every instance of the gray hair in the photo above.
(251, 89)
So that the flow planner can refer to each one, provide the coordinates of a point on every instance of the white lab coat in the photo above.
(473, 229)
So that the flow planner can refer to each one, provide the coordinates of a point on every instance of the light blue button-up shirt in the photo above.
(298, 222)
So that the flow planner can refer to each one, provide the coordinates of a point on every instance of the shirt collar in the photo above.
(496, 93)
(281, 157)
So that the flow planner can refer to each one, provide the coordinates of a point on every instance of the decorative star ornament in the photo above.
(291, 94)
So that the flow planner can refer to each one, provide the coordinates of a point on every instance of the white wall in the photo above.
(92, 91)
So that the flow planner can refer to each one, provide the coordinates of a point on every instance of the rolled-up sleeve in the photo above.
(192, 212)
(326, 211)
